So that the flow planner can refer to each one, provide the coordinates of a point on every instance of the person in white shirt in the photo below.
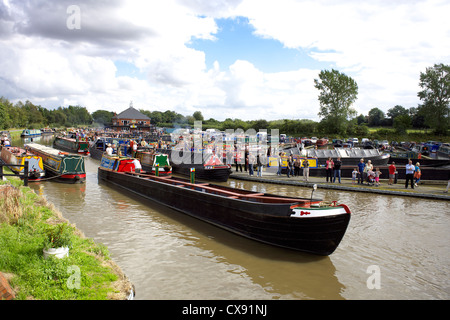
(137, 166)
(109, 150)
(409, 174)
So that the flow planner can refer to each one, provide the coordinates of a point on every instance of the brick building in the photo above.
(131, 120)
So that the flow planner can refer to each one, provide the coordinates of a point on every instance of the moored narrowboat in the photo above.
(307, 225)
(29, 133)
(18, 156)
(72, 144)
(207, 166)
(153, 162)
(62, 166)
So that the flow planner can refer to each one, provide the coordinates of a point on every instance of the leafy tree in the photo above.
(376, 117)
(435, 94)
(361, 119)
(395, 112)
(198, 116)
(102, 116)
(402, 123)
(337, 93)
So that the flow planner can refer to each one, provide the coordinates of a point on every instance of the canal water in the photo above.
(395, 247)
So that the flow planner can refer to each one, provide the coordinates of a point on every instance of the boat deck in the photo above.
(231, 193)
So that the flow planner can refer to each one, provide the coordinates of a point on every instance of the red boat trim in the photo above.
(72, 176)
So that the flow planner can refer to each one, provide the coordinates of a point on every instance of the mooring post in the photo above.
(25, 171)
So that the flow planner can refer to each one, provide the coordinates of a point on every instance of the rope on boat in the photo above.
(44, 179)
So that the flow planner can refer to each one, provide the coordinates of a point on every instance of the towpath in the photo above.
(427, 189)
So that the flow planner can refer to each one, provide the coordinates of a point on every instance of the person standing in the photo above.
(355, 173)
(367, 168)
(280, 164)
(297, 165)
(392, 170)
(329, 169)
(259, 164)
(361, 166)
(409, 174)
(237, 158)
(417, 174)
(290, 166)
(305, 164)
(377, 177)
(337, 169)
(251, 162)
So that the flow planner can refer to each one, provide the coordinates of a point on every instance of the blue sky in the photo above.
(236, 40)
(246, 59)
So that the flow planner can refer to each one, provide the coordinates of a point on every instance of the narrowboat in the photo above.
(307, 225)
(98, 147)
(72, 144)
(18, 156)
(61, 166)
(444, 151)
(152, 161)
(349, 156)
(322, 142)
(207, 166)
(30, 133)
(47, 131)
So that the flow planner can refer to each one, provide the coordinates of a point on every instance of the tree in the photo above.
(402, 123)
(435, 95)
(102, 116)
(337, 93)
(376, 117)
(395, 112)
(198, 116)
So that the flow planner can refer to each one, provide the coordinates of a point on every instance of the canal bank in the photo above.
(426, 189)
(87, 273)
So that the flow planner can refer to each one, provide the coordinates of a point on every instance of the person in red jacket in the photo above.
(392, 169)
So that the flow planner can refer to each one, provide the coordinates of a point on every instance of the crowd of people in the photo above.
(363, 173)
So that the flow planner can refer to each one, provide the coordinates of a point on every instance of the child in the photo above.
(354, 175)
(377, 176)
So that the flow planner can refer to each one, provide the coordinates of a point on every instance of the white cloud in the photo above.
(383, 45)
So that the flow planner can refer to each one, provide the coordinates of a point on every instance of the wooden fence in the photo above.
(24, 175)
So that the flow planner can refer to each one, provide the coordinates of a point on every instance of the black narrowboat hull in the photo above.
(269, 223)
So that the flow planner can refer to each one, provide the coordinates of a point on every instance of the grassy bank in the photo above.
(87, 274)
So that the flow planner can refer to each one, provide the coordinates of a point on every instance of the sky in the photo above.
(238, 59)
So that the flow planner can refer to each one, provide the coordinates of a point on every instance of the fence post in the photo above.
(25, 170)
